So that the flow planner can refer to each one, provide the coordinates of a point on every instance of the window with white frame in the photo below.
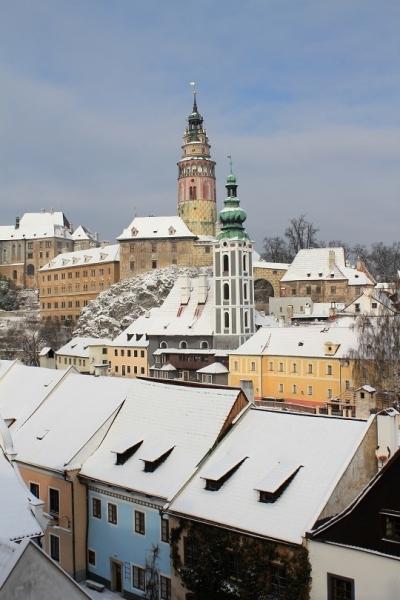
(309, 390)
(112, 513)
(140, 526)
(165, 588)
(138, 578)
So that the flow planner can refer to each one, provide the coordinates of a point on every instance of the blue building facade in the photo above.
(128, 542)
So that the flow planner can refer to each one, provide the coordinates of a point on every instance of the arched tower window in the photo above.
(246, 318)
(226, 291)
(245, 292)
(226, 320)
(244, 262)
(30, 270)
(226, 263)
(183, 345)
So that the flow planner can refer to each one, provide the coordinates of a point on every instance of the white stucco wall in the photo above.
(375, 577)
(35, 577)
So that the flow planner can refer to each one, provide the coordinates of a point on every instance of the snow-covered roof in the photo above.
(308, 340)
(5, 365)
(314, 264)
(39, 225)
(187, 419)
(187, 310)
(127, 339)
(44, 351)
(275, 266)
(23, 389)
(215, 368)
(70, 423)
(188, 351)
(16, 518)
(79, 346)
(156, 227)
(80, 258)
(320, 447)
(375, 295)
(82, 233)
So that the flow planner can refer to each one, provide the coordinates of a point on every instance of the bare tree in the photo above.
(152, 574)
(377, 356)
(276, 250)
(385, 261)
(301, 234)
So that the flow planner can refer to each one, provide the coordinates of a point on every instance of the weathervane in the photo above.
(230, 163)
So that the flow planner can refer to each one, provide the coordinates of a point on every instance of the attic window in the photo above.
(124, 455)
(42, 434)
(277, 480)
(152, 465)
(301, 343)
(332, 275)
(356, 275)
(171, 231)
(308, 274)
(220, 473)
(129, 336)
(134, 231)
(320, 274)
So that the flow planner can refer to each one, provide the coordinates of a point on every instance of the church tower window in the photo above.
(226, 263)
(226, 291)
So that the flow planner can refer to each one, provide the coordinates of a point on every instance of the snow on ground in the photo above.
(105, 595)
(114, 309)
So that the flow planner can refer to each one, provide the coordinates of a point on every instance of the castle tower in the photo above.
(233, 273)
(196, 178)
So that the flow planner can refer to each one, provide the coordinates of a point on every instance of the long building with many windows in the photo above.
(70, 281)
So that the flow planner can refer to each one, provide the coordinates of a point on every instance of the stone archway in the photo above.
(263, 291)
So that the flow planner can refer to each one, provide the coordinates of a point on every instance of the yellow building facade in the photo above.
(293, 374)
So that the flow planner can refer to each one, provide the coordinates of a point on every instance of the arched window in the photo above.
(244, 262)
(183, 345)
(163, 345)
(204, 346)
(245, 291)
(226, 291)
(226, 320)
(226, 263)
(30, 270)
(246, 318)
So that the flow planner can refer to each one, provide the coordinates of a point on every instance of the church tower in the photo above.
(233, 274)
(196, 178)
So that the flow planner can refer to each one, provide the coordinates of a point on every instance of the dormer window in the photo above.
(277, 480)
(219, 473)
(308, 274)
(154, 456)
(172, 230)
(124, 454)
(134, 231)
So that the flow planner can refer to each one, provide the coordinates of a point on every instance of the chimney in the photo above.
(290, 311)
(248, 389)
(388, 435)
(185, 289)
(17, 222)
(331, 260)
(307, 309)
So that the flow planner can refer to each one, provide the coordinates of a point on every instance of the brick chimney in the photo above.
(331, 260)
(17, 222)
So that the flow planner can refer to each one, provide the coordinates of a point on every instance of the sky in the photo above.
(304, 94)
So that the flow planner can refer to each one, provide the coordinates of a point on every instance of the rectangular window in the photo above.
(310, 369)
(54, 501)
(35, 490)
(55, 547)
(253, 366)
(139, 522)
(294, 388)
(330, 394)
(142, 370)
(128, 353)
(270, 366)
(374, 305)
(329, 369)
(154, 264)
(164, 530)
(309, 390)
(347, 384)
(91, 557)
(333, 290)
(138, 578)
(96, 508)
(112, 513)
(294, 368)
(142, 353)
(340, 588)
(278, 580)
(165, 588)
(281, 367)
(190, 552)
(281, 387)
(391, 529)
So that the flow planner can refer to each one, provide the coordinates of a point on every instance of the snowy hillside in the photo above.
(113, 310)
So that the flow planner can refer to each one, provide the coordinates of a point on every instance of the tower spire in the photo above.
(193, 84)
(232, 216)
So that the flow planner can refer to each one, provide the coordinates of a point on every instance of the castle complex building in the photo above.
(196, 180)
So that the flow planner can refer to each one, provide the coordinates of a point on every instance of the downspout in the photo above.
(73, 523)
